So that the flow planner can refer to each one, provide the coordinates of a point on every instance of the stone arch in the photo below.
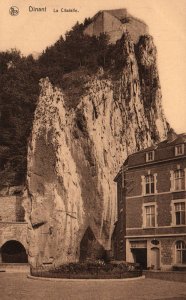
(90, 248)
(16, 239)
(13, 251)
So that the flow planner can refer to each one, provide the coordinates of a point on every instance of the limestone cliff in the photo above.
(74, 154)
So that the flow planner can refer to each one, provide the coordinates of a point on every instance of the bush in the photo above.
(91, 269)
(94, 267)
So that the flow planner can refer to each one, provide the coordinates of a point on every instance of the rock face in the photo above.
(75, 154)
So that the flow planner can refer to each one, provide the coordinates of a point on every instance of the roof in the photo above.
(172, 140)
(121, 13)
(118, 13)
(138, 158)
(114, 22)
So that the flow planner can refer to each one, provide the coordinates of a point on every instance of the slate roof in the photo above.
(163, 150)
(118, 13)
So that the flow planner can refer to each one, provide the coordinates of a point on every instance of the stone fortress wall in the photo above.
(115, 23)
(13, 228)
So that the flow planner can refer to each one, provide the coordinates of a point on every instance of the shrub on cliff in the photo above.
(75, 51)
(69, 63)
(18, 95)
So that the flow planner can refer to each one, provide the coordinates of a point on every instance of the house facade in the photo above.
(151, 194)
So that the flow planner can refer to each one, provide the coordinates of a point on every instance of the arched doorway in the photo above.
(155, 258)
(13, 252)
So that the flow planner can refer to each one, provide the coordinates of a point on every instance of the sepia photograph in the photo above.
(93, 150)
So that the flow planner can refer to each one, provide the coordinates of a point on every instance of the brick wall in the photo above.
(134, 182)
(164, 217)
(134, 213)
(166, 251)
(163, 197)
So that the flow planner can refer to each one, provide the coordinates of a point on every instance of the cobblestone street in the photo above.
(14, 286)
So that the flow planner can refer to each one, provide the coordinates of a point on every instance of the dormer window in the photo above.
(149, 156)
(179, 149)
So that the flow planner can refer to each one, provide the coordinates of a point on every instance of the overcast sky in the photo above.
(32, 32)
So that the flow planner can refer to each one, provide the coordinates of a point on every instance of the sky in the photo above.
(32, 32)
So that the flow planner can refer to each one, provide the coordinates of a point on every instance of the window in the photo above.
(179, 209)
(179, 149)
(179, 180)
(149, 216)
(150, 156)
(149, 184)
(180, 252)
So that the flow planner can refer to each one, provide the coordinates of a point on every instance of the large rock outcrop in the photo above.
(75, 154)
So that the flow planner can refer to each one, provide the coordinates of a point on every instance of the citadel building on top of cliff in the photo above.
(114, 23)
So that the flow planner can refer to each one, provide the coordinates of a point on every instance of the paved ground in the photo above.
(14, 286)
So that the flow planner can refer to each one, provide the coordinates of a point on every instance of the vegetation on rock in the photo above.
(19, 91)
(70, 64)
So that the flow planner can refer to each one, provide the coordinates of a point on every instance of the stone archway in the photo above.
(13, 252)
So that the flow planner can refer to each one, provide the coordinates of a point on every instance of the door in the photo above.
(155, 258)
(140, 256)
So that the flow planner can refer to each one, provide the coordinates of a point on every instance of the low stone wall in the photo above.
(15, 268)
(166, 275)
(95, 275)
